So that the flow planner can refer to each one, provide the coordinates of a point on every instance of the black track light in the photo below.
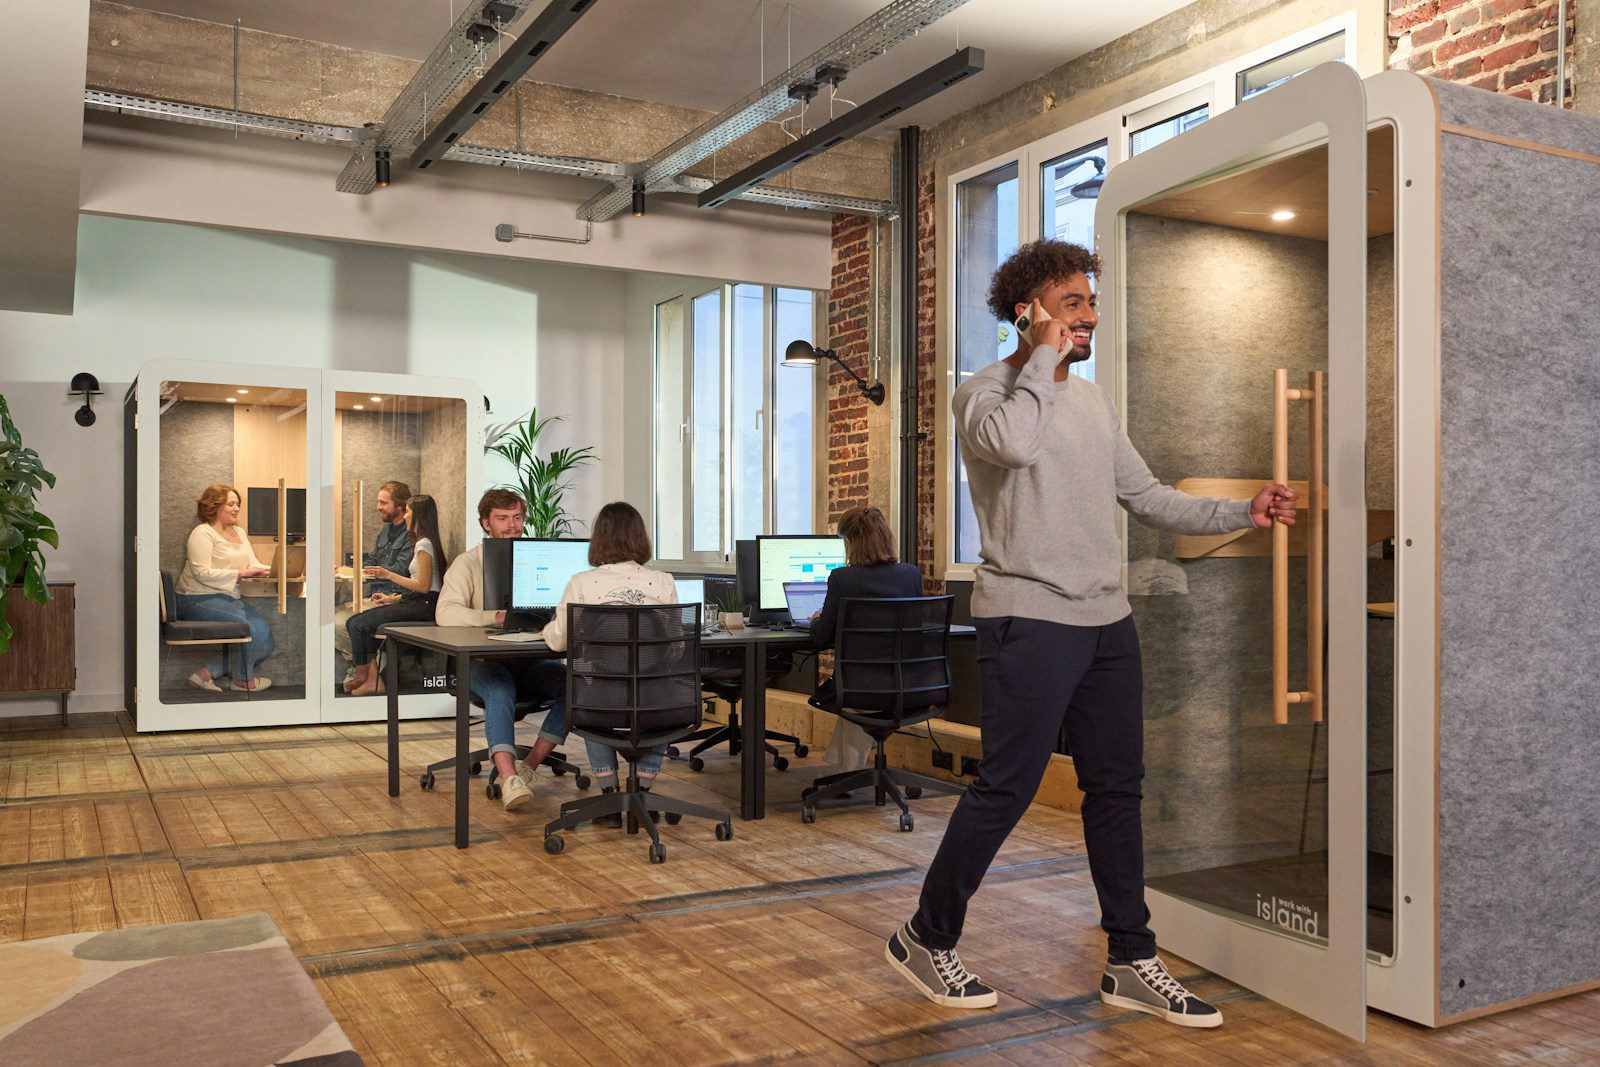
(381, 166)
(638, 199)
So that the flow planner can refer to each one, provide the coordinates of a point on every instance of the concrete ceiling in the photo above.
(706, 54)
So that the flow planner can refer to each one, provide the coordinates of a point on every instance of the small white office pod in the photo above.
(308, 452)
(1369, 781)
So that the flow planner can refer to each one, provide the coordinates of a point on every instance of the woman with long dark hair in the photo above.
(420, 591)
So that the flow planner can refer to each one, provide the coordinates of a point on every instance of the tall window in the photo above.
(986, 233)
(672, 427)
(734, 430)
(705, 427)
(1070, 186)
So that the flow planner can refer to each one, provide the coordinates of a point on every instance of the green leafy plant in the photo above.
(729, 601)
(23, 528)
(542, 481)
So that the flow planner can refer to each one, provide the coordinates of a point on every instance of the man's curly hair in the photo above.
(1032, 267)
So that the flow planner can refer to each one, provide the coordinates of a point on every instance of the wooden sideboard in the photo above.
(42, 657)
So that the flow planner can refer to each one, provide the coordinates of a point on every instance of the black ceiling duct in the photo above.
(857, 120)
(545, 30)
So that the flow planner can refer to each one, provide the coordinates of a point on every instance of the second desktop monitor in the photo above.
(793, 558)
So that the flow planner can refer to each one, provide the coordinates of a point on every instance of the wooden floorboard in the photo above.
(766, 948)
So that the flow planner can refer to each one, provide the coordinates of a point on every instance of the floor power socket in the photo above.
(942, 760)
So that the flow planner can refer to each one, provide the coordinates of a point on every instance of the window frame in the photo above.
(1214, 87)
(721, 559)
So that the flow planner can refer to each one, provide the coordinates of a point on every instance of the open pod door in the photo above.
(1234, 321)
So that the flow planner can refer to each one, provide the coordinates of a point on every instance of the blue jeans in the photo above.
(500, 683)
(603, 761)
(238, 660)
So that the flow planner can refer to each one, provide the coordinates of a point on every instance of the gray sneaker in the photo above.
(937, 973)
(1145, 985)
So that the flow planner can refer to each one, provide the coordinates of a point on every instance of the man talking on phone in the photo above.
(1048, 461)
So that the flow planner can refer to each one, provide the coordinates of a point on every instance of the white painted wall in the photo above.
(525, 331)
(139, 168)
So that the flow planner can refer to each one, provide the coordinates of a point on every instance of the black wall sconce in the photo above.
(85, 385)
(804, 354)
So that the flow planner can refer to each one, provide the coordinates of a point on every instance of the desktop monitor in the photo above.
(529, 573)
(793, 558)
(261, 512)
(691, 590)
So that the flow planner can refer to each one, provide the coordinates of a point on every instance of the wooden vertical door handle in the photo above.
(1282, 695)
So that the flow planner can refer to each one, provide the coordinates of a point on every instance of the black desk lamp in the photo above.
(804, 354)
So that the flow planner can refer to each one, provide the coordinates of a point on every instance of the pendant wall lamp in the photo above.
(805, 354)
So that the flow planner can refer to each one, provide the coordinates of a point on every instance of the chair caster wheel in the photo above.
(672, 752)
(658, 853)
(696, 763)
(582, 781)
(808, 813)
(907, 823)
(426, 780)
(558, 770)
(475, 770)
(779, 763)
(913, 792)
(801, 751)
(674, 818)
(554, 844)
(492, 791)
(724, 831)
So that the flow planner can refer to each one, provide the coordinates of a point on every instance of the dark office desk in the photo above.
(464, 644)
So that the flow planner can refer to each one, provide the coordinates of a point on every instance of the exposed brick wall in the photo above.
(1505, 46)
(849, 319)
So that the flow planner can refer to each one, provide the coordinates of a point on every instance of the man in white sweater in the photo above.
(501, 683)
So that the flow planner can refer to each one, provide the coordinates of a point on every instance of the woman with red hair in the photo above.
(217, 556)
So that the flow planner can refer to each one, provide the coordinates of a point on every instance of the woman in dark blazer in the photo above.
(871, 570)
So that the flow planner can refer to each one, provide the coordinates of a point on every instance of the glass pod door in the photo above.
(224, 522)
(1237, 304)
(397, 482)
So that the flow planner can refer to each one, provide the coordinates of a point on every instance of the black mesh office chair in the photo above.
(633, 682)
(724, 678)
(556, 760)
(891, 669)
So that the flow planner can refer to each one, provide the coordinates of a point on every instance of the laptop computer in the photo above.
(805, 600)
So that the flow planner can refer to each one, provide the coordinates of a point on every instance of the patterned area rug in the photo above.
(224, 991)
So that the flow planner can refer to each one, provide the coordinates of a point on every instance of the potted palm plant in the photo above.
(23, 528)
(542, 481)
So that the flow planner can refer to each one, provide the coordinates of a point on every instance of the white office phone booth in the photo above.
(1367, 779)
(277, 433)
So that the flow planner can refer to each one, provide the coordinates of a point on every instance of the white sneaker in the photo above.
(256, 685)
(514, 792)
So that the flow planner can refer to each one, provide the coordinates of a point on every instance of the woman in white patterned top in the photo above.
(619, 548)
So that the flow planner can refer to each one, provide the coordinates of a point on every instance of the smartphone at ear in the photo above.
(1035, 313)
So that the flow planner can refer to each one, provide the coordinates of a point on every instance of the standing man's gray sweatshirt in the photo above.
(1045, 461)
